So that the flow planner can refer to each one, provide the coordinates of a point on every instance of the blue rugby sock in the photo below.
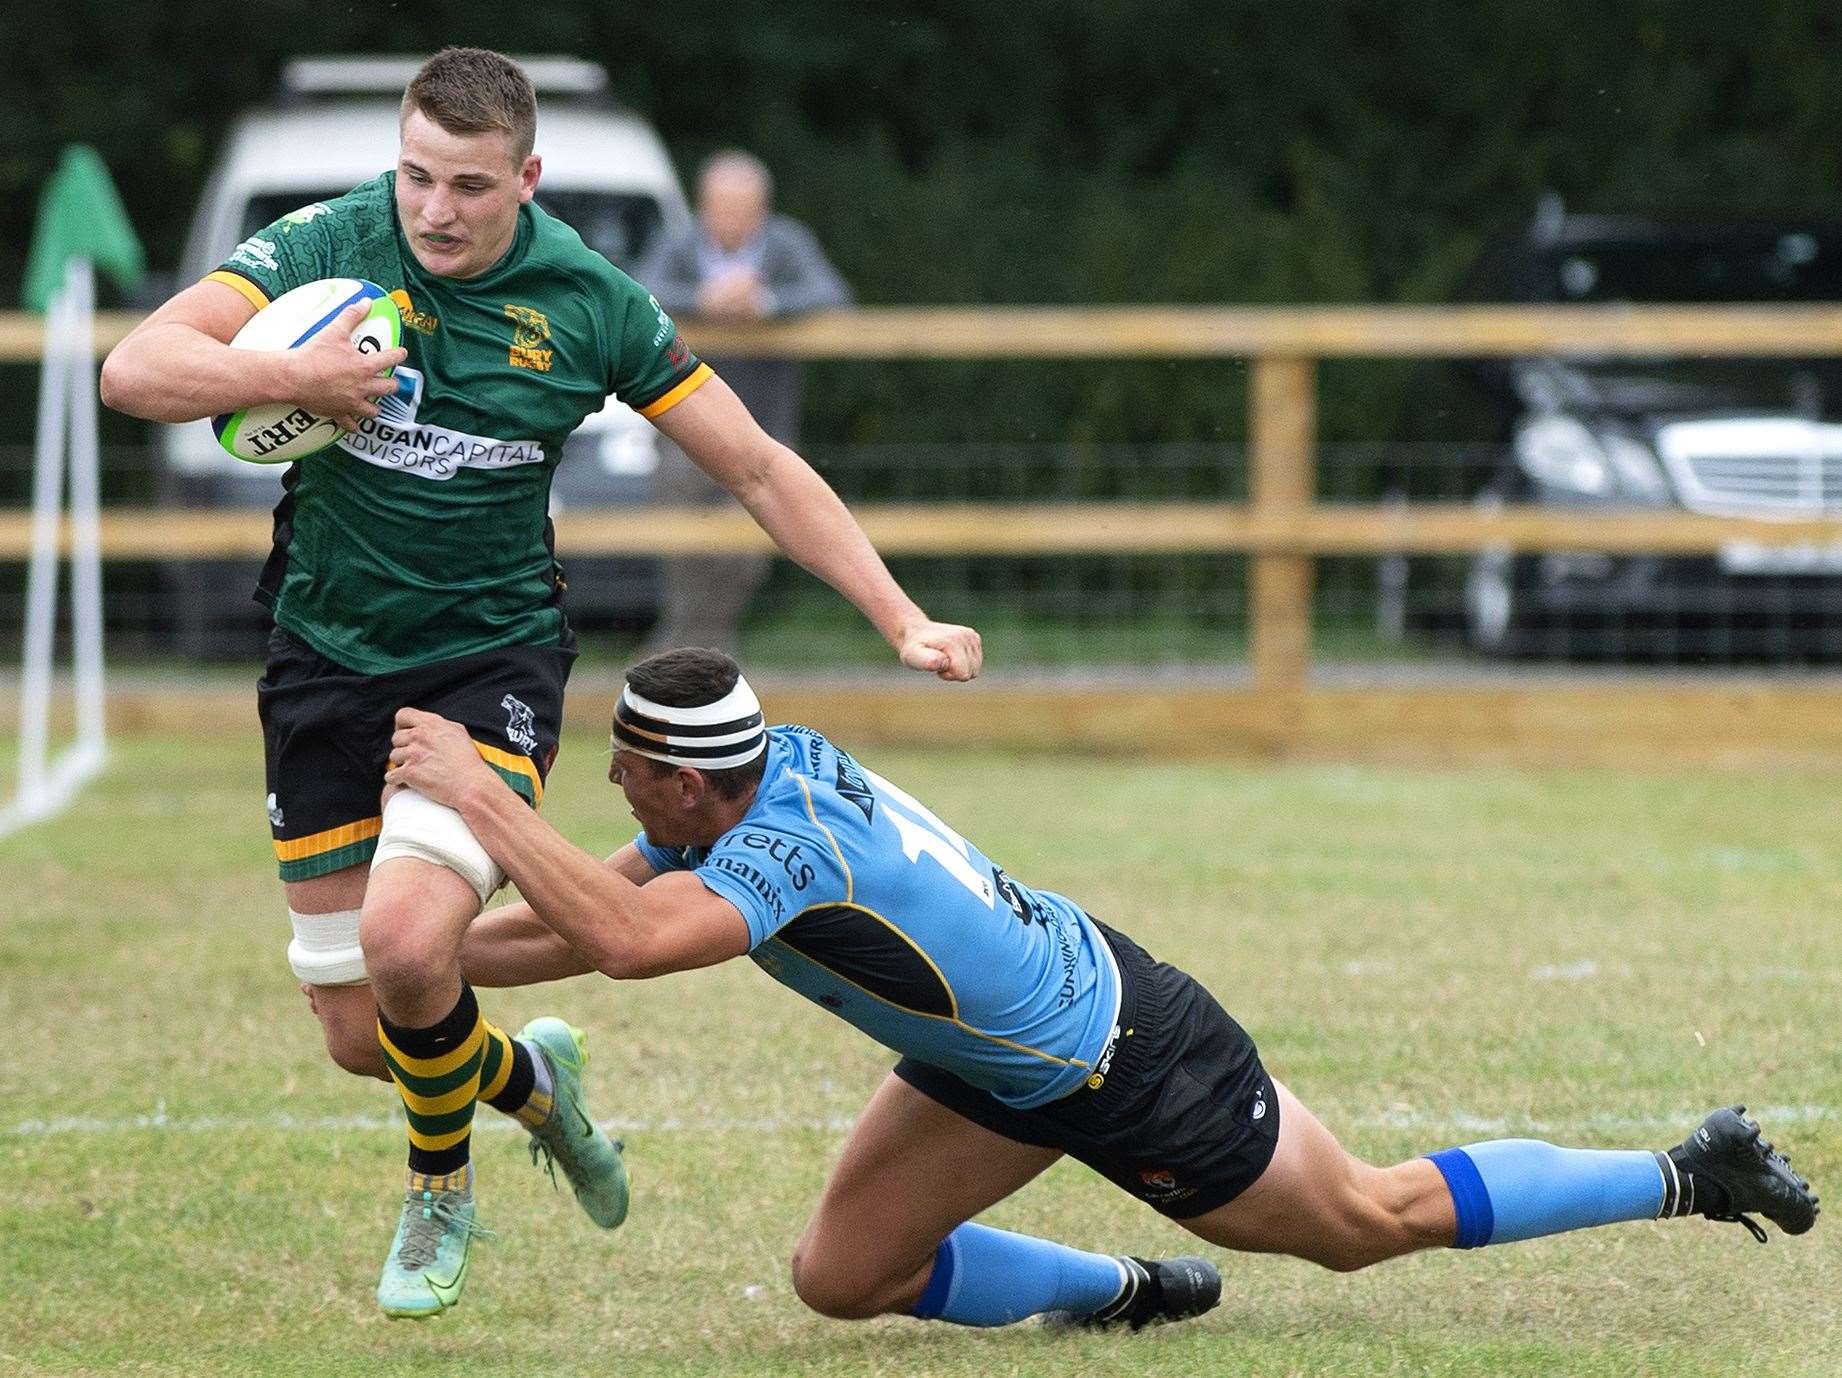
(1510, 1189)
(984, 1276)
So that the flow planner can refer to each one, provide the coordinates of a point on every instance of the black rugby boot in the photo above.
(1724, 1170)
(1158, 1290)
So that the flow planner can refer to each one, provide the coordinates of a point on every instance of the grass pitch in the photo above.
(188, 1187)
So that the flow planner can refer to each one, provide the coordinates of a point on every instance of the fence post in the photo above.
(1283, 427)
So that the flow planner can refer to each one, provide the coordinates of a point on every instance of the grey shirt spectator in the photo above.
(739, 261)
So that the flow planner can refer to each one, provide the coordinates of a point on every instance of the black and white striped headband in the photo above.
(713, 736)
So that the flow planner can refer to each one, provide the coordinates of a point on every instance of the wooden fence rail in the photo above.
(1281, 527)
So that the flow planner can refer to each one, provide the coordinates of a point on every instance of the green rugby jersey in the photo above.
(426, 534)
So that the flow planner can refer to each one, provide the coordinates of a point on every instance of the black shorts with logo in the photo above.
(326, 737)
(1185, 1118)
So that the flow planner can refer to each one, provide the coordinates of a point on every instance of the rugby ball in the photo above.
(281, 432)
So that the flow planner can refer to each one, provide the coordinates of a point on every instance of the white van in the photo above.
(334, 125)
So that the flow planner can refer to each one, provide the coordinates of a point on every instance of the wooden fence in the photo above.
(1281, 527)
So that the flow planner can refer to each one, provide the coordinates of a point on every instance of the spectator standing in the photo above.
(738, 262)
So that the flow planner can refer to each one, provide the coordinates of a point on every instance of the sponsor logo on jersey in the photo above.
(755, 880)
(786, 853)
(256, 252)
(416, 320)
(664, 332)
(1064, 942)
(852, 786)
(520, 725)
(395, 439)
(304, 216)
(1011, 895)
(530, 333)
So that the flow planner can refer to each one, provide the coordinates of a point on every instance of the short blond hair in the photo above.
(476, 91)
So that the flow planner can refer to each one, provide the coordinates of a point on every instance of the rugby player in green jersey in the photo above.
(413, 565)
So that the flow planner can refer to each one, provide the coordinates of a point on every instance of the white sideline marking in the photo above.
(1398, 1118)
(1571, 971)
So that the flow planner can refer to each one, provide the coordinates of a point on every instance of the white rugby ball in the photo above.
(281, 432)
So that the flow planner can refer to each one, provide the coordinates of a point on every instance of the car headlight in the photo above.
(1635, 466)
(1560, 452)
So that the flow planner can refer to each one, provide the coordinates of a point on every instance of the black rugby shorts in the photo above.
(326, 737)
(1185, 1119)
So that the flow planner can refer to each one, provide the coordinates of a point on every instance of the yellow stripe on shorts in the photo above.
(517, 765)
(317, 844)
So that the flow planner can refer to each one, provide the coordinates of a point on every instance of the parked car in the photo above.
(1752, 437)
(333, 125)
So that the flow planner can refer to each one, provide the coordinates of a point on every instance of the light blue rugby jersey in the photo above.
(862, 900)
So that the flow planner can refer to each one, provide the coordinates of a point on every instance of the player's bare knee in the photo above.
(403, 949)
(831, 1290)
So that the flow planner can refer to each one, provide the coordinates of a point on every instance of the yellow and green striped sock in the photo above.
(437, 1072)
(511, 1081)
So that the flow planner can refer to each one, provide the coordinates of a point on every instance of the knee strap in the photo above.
(325, 950)
(419, 828)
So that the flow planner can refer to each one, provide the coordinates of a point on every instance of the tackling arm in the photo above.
(673, 923)
(511, 946)
(808, 521)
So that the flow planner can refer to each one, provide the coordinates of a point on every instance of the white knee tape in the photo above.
(418, 827)
(325, 950)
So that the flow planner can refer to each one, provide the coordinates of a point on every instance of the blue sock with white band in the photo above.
(1510, 1189)
(984, 1276)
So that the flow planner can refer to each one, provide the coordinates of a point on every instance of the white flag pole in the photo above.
(85, 521)
(42, 572)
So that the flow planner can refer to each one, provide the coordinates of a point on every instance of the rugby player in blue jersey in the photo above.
(1027, 1030)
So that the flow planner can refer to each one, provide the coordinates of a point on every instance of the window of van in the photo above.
(620, 226)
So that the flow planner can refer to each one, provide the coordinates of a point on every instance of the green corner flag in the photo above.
(80, 216)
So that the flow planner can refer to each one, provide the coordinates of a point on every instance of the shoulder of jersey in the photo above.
(557, 242)
(364, 203)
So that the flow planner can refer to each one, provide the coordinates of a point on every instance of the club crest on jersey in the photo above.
(530, 333)
(520, 725)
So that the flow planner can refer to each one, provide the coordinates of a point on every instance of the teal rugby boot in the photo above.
(570, 1138)
(427, 1266)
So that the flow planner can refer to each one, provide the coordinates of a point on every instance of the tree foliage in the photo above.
(1047, 151)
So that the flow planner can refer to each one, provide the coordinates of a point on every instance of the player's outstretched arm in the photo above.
(510, 946)
(621, 929)
(177, 365)
(812, 525)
